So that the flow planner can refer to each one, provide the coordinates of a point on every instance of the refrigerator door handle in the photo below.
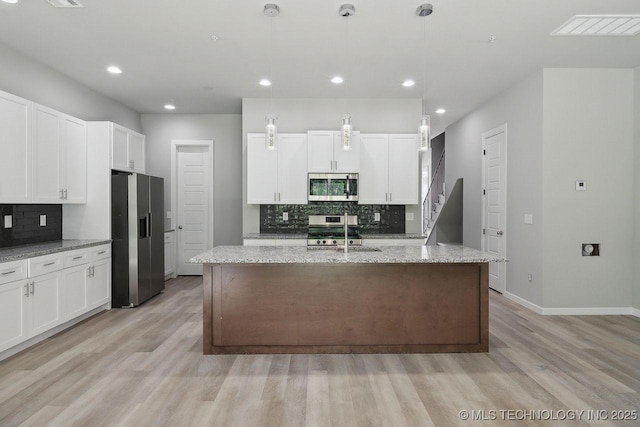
(149, 227)
(143, 228)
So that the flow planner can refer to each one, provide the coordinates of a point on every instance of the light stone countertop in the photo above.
(29, 251)
(302, 255)
(304, 236)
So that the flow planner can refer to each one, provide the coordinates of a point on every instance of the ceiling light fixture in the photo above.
(424, 130)
(337, 80)
(264, 82)
(169, 107)
(600, 25)
(408, 83)
(346, 10)
(11, 1)
(113, 69)
(441, 111)
(271, 130)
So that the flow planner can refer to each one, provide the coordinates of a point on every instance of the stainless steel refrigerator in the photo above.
(137, 230)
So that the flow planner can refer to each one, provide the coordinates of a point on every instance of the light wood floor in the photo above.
(145, 366)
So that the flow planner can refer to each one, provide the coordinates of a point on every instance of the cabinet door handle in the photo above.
(66, 193)
(331, 164)
(33, 288)
(78, 257)
(61, 194)
(336, 165)
(6, 273)
(390, 196)
(278, 196)
(26, 290)
(49, 263)
(275, 197)
(386, 197)
(102, 252)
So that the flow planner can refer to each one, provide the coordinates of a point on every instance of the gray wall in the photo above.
(301, 115)
(521, 108)
(636, 192)
(588, 134)
(28, 78)
(225, 131)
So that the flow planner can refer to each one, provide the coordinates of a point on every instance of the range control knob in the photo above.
(318, 241)
(351, 242)
(334, 242)
(324, 242)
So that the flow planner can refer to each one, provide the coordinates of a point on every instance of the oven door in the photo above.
(328, 187)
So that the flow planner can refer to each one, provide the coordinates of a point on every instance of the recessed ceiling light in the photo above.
(264, 82)
(11, 1)
(337, 80)
(408, 83)
(169, 107)
(441, 111)
(114, 69)
(215, 38)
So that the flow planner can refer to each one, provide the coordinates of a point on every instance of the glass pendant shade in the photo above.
(425, 133)
(346, 132)
(271, 132)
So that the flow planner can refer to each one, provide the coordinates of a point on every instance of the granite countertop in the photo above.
(304, 236)
(302, 255)
(29, 251)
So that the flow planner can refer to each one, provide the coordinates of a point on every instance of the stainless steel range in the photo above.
(328, 230)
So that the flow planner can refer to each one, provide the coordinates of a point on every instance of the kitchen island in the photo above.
(402, 299)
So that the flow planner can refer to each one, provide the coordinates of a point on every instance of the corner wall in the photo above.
(30, 79)
(588, 135)
(225, 131)
(301, 115)
(520, 107)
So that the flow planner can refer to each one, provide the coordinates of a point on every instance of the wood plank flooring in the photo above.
(145, 367)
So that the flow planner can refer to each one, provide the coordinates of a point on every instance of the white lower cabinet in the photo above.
(50, 290)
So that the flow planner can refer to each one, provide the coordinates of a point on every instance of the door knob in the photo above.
(500, 233)
(179, 227)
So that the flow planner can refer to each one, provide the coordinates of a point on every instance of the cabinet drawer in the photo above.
(77, 257)
(99, 252)
(44, 264)
(13, 270)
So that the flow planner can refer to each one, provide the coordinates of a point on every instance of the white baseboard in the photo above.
(51, 332)
(574, 311)
(523, 302)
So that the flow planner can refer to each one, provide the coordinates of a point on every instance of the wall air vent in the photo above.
(65, 3)
(600, 25)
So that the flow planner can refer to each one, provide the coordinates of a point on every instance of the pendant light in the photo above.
(424, 130)
(270, 129)
(346, 10)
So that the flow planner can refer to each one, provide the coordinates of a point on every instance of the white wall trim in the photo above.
(574, 311)
(523, 302)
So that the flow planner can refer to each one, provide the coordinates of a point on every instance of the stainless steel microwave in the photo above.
(333, 187)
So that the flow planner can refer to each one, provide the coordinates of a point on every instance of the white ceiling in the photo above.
(167, 53)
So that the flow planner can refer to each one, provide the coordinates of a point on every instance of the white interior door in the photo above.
(193, 203)
(494, 143)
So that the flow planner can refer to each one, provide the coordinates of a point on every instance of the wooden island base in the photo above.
(345, 308)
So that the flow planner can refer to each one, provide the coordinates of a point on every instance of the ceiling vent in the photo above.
(600, 25)
(65, 3)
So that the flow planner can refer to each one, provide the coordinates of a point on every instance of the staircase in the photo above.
(434, 200)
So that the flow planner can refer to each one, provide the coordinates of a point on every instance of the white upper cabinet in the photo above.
(325, 153)
(59, 157)
(127, 150)
(277, 176)
(15, 143)
(389, 169)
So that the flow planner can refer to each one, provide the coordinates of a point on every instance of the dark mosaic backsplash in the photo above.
(26, 228)
(391, 217)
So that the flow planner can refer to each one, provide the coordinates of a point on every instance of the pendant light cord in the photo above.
(424, 67)
(346, 80)
(271, 63)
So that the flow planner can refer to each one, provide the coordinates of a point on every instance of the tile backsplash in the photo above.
(26, 227)
(392, 218)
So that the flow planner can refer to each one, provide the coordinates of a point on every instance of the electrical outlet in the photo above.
(169, 215)
(43, 220)
(528, 218)
(8, 221)
(285, 216)
(376, 216)
(409, 216)
(530, 277)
